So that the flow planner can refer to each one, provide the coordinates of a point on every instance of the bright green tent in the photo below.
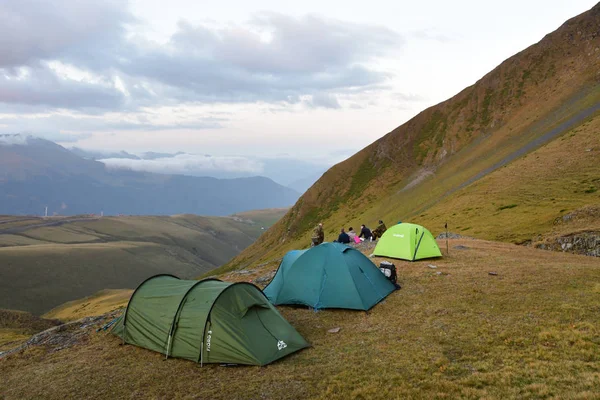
(330, 275)
(207, 321)
(408, 242)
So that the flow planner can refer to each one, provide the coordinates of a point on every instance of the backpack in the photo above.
(389, 271)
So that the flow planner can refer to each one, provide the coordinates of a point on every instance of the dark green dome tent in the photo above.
(330, 275)
(207, 321)
(407, 242)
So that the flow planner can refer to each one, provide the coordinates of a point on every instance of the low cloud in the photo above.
(188, 164)
(10, 140)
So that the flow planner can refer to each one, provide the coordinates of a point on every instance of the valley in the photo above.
(49, 261)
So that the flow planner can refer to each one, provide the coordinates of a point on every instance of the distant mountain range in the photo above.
(37, 173)
(286, 170)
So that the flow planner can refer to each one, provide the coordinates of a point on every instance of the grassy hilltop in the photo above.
(528, 332)
(501, 160)
(46, 262)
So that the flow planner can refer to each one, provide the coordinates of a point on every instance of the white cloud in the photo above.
(10, 140)
(188, 164)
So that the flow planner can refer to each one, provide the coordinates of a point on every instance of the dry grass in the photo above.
(531, 331)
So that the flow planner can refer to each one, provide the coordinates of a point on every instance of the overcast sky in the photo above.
(312, 79)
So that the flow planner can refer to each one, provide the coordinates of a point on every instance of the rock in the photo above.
(371, 255)
(492, 273)
(461, 247)
(334, 330)
(452, 235)
(431, 266)
(243, 272)
(439, 273)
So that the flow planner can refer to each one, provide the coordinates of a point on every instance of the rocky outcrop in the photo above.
(65, 335)
(451, 235)
(586, 243)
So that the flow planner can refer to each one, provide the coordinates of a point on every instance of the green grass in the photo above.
(529, 332)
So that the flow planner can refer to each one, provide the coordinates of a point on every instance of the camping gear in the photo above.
(331, 275)
(357, 239)
(207, 321)
(388, 270)
(407, 242)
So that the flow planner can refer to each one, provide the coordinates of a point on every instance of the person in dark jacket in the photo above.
(343, 238)
(365, 232)
(378, 232)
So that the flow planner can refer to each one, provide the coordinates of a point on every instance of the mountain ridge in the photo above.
(35, 173)
(456, 142)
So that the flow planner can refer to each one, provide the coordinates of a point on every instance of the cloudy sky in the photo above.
(315, 80)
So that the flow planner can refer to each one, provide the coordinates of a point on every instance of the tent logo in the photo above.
(208, 340)
(281, 345)
(398, 235)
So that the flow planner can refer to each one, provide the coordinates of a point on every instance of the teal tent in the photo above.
(407, 242)
(330, 275)
(207, 321)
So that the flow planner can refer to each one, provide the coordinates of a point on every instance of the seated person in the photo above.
(343, 238)
(365, 232)
(351, 234)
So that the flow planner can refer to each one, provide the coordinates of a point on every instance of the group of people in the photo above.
(349, 237)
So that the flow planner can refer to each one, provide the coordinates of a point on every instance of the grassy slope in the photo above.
(551, 87)
(561, 177)
(46, 266)
(99, 303)
(529, 332)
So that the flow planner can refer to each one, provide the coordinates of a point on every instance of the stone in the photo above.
(431, 266)
(243, 272)
(334, 330)
(492, 273)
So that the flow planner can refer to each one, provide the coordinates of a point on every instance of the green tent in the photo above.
(408, 242)
(207, 321)
(330, 275)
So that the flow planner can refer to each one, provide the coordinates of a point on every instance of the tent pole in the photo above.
(201, 353)
(168, 347)
(447, 252)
